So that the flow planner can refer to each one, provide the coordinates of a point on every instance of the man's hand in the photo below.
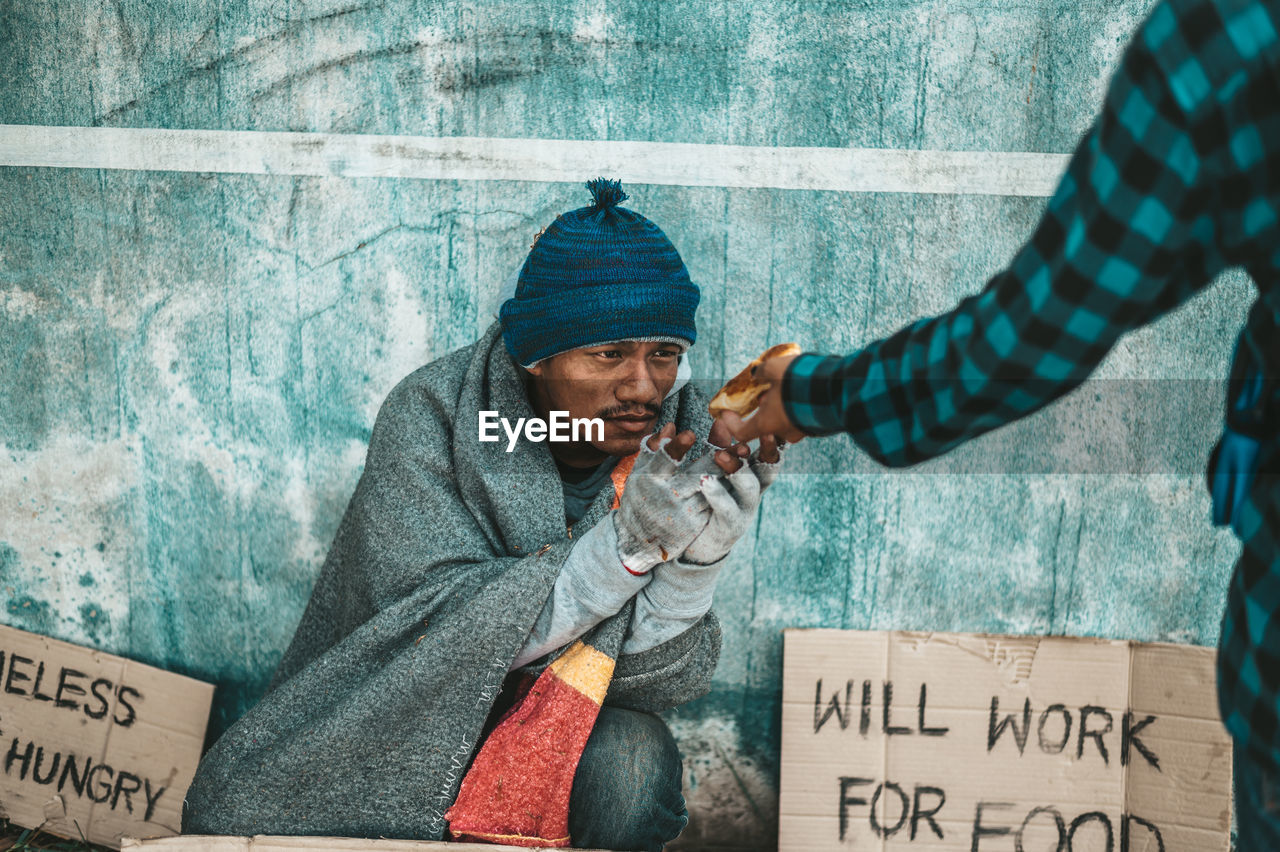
(663, 508)
(676, 446)
(734, 497)
(771, 417)
(733, 500)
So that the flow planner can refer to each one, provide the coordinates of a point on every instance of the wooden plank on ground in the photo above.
(268, 843)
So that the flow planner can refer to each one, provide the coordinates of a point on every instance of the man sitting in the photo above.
(589, 565)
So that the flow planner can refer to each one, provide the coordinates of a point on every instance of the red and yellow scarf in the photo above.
(517, 789)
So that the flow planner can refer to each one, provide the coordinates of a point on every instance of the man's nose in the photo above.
(638, 384)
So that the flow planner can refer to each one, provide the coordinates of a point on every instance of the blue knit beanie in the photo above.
(598, 274)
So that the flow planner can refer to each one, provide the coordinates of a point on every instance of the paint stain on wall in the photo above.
(94, 620)
(30, 613)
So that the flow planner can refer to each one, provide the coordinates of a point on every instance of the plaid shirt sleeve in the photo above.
(1130, 233)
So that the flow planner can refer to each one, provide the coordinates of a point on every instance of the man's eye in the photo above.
(666, 353)
(610, 353)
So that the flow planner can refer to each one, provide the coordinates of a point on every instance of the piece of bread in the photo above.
(742, 393)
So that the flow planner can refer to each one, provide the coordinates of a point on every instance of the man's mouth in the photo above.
(633, 422)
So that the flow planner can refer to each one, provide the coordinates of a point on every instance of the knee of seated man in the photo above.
(630, 770)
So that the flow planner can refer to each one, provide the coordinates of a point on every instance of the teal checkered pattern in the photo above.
(1177, 180)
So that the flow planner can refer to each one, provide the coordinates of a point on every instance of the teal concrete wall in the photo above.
(192, 362)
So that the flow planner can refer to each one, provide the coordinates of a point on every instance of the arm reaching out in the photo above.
(1131, 232)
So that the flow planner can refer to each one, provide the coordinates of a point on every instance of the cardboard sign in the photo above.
(932, 742)
(95, 744)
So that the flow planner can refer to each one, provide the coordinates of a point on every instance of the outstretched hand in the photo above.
(770, 420)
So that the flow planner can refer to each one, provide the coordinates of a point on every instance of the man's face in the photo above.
(621, 383)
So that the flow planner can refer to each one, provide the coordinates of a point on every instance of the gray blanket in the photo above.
(440, 567)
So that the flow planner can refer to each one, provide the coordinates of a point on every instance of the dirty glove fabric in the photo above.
(682, 589)
(663, 510)
(767, 472)
(592, 585)
(678, 597)
(733, 500)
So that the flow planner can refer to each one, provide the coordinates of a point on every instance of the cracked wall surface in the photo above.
(192, 362)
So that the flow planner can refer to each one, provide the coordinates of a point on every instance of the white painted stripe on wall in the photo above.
(544, 160)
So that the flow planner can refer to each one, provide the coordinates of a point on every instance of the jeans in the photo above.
(626, 793)
(1257, 807)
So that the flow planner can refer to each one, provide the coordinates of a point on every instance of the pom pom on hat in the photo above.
(606, 194)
